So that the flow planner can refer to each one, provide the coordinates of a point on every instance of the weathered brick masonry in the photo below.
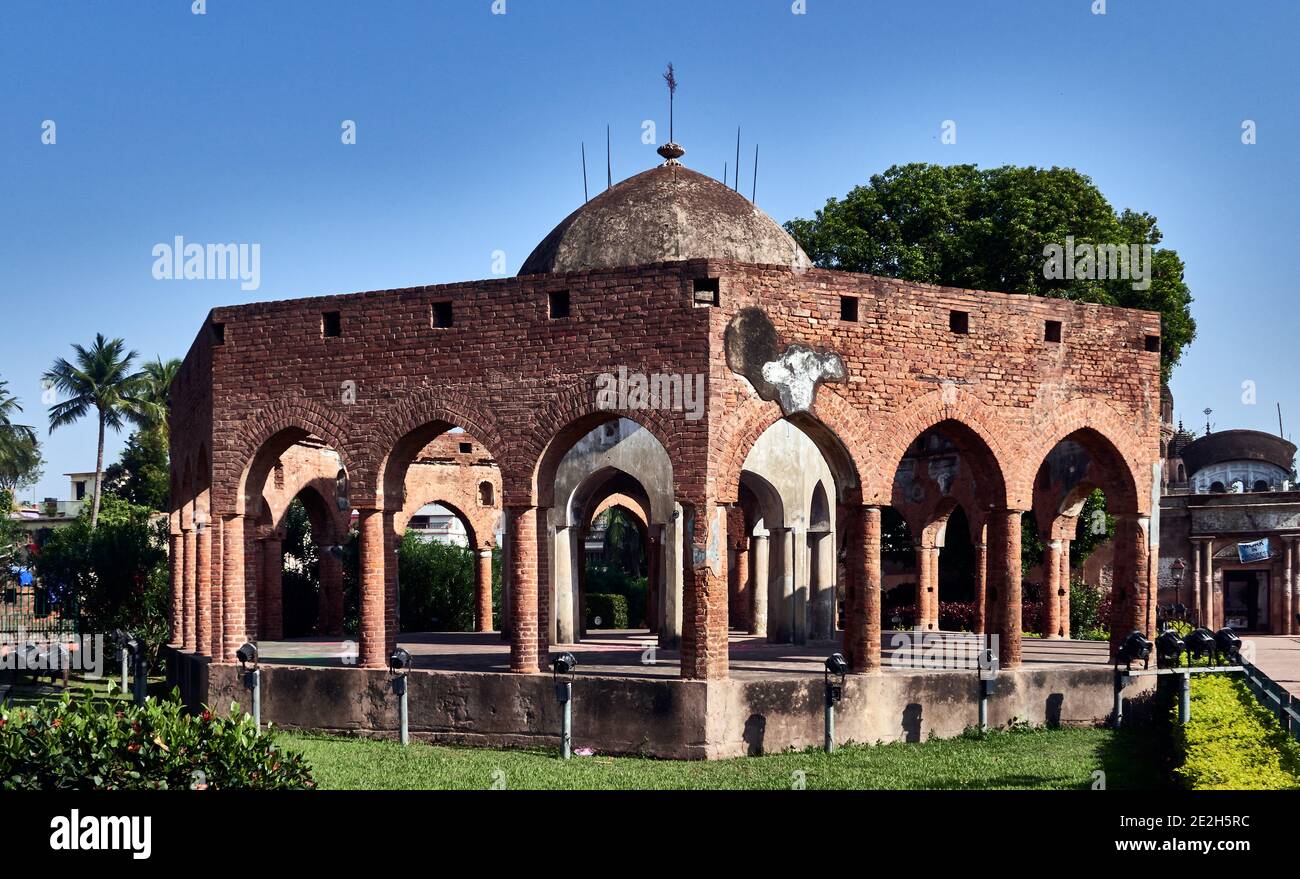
(376, 377)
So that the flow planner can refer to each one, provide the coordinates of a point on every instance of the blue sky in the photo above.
(225, 127)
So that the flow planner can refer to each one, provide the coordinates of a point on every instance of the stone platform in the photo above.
(460, 692)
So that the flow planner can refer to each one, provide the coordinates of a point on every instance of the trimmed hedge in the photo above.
(612, 610)
(80, 744)
(1232, 742)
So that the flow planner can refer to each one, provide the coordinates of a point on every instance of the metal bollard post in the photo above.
(564, 692)
(1185, 697)
(836, 670)
(1121, 681)
(399, 687)
(141, 676)
(126, 662)
(253, 681)
(988, 672)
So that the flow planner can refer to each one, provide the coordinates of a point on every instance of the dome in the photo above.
(665, 214)
(1238, 445)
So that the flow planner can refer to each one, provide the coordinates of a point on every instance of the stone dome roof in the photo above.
(1238, 445)
(665, 214)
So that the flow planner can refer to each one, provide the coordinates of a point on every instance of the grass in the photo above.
(1038, 759)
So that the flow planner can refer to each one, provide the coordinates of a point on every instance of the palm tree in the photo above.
(102, 380)
(19, 451)
(156, 383)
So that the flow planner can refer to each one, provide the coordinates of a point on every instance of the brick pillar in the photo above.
(234, 598)
(1004, 567)
(374, 615)
(1207, 585)
(331, 588)
(981, 587)
(1194, 583)
(862, 567)
(203, 587)
(1051, 590)
(522, 534)
(1293, 613)
(1288, 586)
(272, 610)
(1130, 587)
(1065, 589)
(704, 602)
(743, 603)
(483, 590)
(191, 621)
(217, 579)
(176, 555)
(762, 565)
(925, 592)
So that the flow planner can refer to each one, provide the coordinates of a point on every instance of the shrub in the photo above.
(1089, 612)
(88, 744)
(607, 580)
(437, 585)
(612, 610)
(1232, 742)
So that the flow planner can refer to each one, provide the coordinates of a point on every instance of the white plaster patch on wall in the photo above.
(796, 374)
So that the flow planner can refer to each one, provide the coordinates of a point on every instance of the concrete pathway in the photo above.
(1278, 656)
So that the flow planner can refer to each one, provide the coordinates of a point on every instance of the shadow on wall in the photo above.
(912, 723)
(1055, 702)
(755, 730)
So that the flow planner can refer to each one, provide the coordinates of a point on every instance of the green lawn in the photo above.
(1020, 759)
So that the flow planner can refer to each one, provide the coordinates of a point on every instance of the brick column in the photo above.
(272, 610)
(1194, 583)
(233, 602)
(203, 587)
(743, 601)
(176, 555)
(1288, 586)
(331, 587)
(191, 621)
(862, 566)
(762, 565)
(1293, 618)
(704, 602)
(981, 587)
(1004, 572)
(1051, 622)
(483, 590)
(217, 578)
(1207, 585)
(522, 534)
(1065, 588)
(392, 573)
(927, 611)
(374, 618)
(1130, 586)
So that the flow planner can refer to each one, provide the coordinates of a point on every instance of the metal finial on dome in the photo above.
(671, 151)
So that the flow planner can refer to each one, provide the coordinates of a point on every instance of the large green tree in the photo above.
(99, 379)
(20, 453)
(989, 229)
(142, 474)
(151, 398)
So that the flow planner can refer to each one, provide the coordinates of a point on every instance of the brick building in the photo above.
(886, 393)
(1230, 525)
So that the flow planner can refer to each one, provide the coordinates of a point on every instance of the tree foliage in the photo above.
(142, 475)
(117, 572)
(988, 229)
(20, 452)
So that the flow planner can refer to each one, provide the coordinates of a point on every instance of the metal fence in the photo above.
(1275, 698)
(34, 610)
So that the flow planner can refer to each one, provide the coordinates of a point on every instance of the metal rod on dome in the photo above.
(671, 78)
(724, 173)
(609, 166)
(736, 187)
(754, 193)
(584, 172)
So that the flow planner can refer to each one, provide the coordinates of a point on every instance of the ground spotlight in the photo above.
(836, 670)
(247, 656)
(564, 664)
(1199, 644)
(399, 663)
(1228, 645)
(1169, 648)
(1135, 648)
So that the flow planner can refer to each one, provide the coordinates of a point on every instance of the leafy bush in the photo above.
(118, 572)
(1089, 612)
(606, 580)
(1232, 742)
(437, 584)
(88, 744)
(611, 609)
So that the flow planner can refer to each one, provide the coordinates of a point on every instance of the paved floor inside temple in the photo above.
(633, 653)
